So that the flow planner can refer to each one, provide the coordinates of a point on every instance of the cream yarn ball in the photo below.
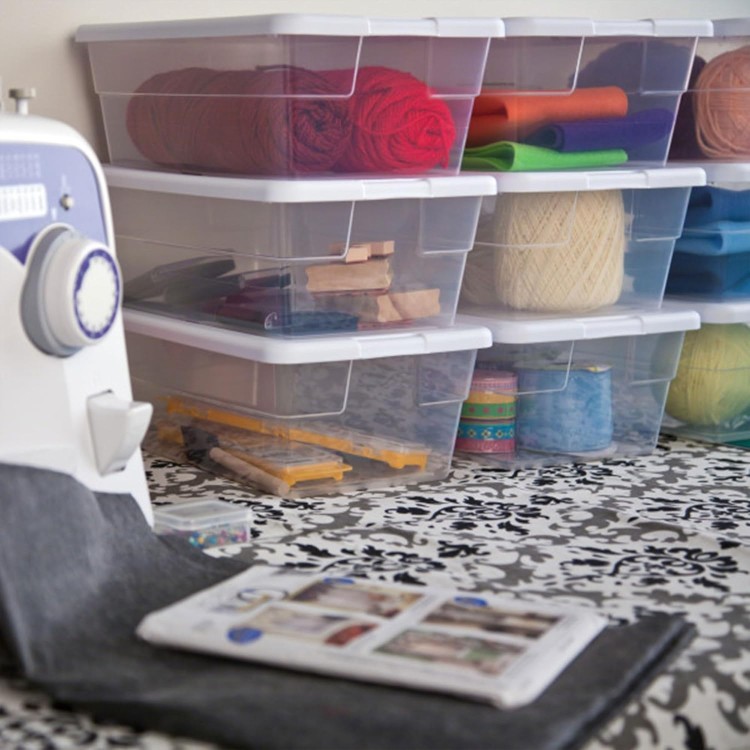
(712, 384)
(550, 252)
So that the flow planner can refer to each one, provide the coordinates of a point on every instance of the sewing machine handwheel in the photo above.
(72, 291)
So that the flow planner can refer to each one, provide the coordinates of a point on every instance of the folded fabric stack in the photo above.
(514, 131)
(712, 257)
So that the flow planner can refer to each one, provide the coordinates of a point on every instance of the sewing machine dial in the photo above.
(96, 292)
(72, 291)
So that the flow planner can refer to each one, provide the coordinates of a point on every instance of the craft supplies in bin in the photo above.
(305, 416)
(586, 387)
(709, 399)
(289, 94)
(573, 93)
(204, 523)
(711, 258)
(715, 111)
(294, 257)
(574, 242)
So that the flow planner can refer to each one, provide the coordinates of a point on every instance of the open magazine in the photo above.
(488, 648)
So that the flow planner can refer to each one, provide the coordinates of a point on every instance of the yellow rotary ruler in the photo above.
(394, 453)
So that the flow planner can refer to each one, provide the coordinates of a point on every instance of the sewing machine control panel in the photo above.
(52, 221)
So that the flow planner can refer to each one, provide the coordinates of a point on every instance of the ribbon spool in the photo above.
(565, 411)
(529, 267)
(488, 415)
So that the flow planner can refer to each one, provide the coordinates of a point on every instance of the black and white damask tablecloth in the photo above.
(669, 532)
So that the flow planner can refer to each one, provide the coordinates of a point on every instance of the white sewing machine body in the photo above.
(65, 394)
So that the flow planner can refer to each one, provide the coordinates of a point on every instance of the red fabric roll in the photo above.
(247, 122)
(234, 121)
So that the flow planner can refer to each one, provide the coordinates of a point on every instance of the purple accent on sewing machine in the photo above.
(61, 171)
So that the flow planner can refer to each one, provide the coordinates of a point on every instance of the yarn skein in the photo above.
(200, 119)
(722, 105)
(263, 121)
(525, 263)
(398, 125)
(712, 384)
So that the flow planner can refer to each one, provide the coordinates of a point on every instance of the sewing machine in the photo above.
(65, 394)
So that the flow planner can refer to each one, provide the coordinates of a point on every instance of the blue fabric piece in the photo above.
(629, 132)
(710, 204)
(556, 416)
(706, 274)
(717, 238)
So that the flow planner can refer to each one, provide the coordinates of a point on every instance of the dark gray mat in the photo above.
(78, 571)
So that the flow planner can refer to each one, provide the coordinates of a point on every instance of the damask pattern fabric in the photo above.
(665, 533)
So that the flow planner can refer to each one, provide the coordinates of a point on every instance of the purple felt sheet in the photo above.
(630, 132)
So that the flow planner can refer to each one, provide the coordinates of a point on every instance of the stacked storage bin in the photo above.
(710, 399)
(710, 272)
(293, 233)
(562, 93)
(569, 267)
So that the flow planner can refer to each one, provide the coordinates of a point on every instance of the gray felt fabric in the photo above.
(79, 570)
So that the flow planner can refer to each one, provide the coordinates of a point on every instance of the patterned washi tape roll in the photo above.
(492, 395)
(491, 411)
(486, 437)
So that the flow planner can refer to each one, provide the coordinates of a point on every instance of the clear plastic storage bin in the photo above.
(710, 396)
(714, 112)
(307, 416)
(711, 258)
(204, 523)
(574, 389)
(289, 94)
(561, 93)
(590, 242)
(293, 257)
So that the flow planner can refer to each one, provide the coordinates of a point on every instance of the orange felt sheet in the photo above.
(511, 115)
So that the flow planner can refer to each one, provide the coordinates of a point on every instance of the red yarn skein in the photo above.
(160, 103)
(398, 125)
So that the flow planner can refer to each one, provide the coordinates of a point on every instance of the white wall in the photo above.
(37, 48)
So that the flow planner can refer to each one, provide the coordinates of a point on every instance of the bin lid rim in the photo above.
(530, 328)
(308, 349)
(300, 190)
(292, 24)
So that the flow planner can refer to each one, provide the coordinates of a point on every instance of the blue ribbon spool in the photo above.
(565, 411)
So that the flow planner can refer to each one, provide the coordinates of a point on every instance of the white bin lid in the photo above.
(304, 190)
(201, 514)
(721, 312)
(526, 329)
(583, 27)
(727, 173)
(296, 24)
(598, 179)
(731, 26)
(308, 349)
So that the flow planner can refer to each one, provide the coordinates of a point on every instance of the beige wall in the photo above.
(37, 47)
